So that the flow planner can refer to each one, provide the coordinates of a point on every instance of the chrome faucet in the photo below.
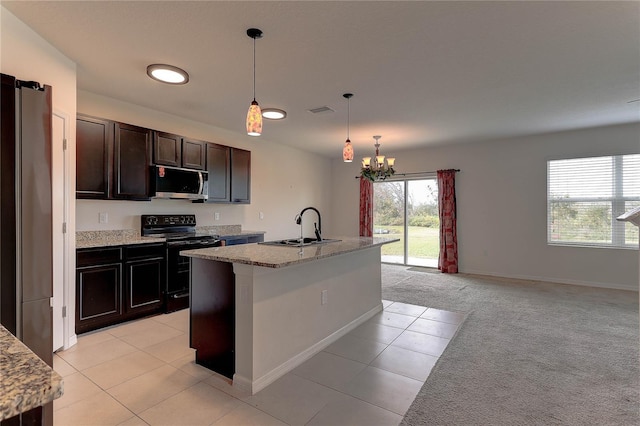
(318, 226)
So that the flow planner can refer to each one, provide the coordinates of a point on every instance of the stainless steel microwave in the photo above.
(174, 182)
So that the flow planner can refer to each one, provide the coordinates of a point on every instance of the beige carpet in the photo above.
(529, 353)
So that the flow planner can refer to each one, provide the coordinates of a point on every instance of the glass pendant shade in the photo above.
(380, 159)
(347, 152)
(254, 119)
(366, 162)
(391, 161)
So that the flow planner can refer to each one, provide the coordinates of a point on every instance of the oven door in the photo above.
(178, 268)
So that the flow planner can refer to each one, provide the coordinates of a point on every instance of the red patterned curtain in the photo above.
(366, 207)
(448, 257)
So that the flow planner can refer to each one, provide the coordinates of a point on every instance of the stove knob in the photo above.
(152, 220)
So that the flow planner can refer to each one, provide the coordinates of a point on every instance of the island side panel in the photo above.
(280, 316)
(212, 315)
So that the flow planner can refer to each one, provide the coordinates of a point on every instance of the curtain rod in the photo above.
(417, 173)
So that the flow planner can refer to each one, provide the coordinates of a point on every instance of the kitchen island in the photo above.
(258, 311)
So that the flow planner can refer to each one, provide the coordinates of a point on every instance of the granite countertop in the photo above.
(280, 256)
(121, 237)
(89, 239)
(26, 381)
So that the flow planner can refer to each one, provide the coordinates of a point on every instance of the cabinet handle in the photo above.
(179, 296)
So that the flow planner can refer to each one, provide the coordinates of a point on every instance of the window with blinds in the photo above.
(584, 197)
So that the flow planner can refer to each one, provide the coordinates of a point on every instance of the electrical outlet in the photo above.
(323, 297)
(261, 215)
(216, 216)
(103, 217)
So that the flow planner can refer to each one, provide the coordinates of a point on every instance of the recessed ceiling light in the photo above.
(274, 113)
(167, 74)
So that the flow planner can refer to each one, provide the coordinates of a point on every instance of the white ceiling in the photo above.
(422, 73)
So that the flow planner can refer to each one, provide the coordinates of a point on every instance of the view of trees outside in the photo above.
(413, 201)
(587, 194)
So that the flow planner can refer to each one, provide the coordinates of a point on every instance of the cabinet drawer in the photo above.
(98, 256)
(144, 251)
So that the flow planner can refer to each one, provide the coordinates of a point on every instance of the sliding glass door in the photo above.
(408, 210)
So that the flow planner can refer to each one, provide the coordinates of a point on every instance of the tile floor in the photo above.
(143, 372)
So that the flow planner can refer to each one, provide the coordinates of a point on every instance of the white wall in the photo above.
(284, 180)
(27, 56)
(501, 194)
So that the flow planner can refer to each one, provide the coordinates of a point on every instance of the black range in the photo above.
(180, 233)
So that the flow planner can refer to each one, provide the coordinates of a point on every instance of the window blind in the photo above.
(584, 197)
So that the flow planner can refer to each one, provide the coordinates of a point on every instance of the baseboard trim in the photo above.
(553, 280)
(73, 340)
(245, 384)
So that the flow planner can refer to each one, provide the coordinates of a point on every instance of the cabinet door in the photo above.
(234, 241)
(218, 166)
(98, 296)
(145, 279)
(167, 149)
(193, 154)
(94, 150)
(131, 162)
(240, 176)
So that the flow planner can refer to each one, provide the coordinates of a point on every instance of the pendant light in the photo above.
(347, 151)
(254, 115)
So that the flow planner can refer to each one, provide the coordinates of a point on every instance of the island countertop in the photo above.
(270, 256)
(26, 381)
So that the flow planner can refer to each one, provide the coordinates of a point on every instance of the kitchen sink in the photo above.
(295, 242)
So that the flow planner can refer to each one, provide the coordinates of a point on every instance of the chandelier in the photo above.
(376, 168)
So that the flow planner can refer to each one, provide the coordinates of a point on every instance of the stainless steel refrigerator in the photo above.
(26, 257)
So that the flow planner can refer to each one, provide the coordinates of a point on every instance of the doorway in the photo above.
(59, 217)
(408, 209)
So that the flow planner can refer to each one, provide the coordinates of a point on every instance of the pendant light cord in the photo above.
(348, 115)
(254, 68)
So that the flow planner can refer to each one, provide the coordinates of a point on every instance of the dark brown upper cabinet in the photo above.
(193, 154)
(229, 174)
(94, 151)
(113, 162)
(177, 151)
(219, 168)
(240, 176)
(167, 149)
(132, 155)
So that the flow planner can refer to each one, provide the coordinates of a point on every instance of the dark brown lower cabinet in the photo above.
(98, 288)
(118, 284)
(145, 276)
(242, 239)
(212, 322)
